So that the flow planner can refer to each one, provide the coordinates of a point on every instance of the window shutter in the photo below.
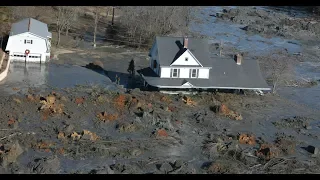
(171, 72)
(190, 73)
(25, 41)
(178, 72)
(197, 73)
(31, 41)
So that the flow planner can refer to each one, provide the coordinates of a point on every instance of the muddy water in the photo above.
(22, 76)
(233, 36)
(309, 96)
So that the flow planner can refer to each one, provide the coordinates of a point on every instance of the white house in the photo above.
(185, 63)
(29, 41)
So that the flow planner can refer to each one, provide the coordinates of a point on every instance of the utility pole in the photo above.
(1, 41)
(112, 15)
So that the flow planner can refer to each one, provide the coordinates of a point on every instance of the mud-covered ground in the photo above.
(270, 23)
(92, 130)
(101, 130)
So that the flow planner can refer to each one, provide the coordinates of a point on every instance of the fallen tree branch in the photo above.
(10, 135)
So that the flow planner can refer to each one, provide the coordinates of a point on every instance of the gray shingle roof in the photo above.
(225, 73)
(169, 47)
(36, 27)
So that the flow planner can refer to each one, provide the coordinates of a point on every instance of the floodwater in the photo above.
(22, 76)
(232, 35)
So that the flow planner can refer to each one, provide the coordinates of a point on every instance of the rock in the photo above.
(107, 170)
(14, 152)
(63, 98)
(138, 120)
(178, 163)
(312, 149)
(166, 167)
(69, 129)
(136, 152)
(308, 127)
(48, 165)
(86, 137)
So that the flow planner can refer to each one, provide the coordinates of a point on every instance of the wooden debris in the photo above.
(247, 139)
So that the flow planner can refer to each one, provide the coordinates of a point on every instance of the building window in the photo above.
(194, 73)
(27, 41)
(186, 59)
(154, 64)
(175, 73)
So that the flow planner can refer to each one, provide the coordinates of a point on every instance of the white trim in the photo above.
(171, 75)
(197, 73)
(213, 87)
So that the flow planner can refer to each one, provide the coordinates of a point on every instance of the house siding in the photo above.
(38, 47)
(165, 72)
(184, 72)
(204, 73)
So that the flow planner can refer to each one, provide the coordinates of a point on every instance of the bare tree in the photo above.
(278, 69)
(19, 12)
(143, 23)
(97, 14)
(65, 17)
(71, 16)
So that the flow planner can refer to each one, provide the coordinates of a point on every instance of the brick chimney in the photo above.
(185, 42)
(239, 59)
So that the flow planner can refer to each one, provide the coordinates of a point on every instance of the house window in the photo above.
(194, 73)
(175, 73)
(154, 64)
(27, 41)
(186, 59)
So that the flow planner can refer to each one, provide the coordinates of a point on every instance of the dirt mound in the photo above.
(296, 122)
(48, 165)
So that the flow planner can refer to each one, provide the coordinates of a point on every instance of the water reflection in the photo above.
(23, 76)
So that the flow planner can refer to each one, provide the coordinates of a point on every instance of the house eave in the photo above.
(211, 87)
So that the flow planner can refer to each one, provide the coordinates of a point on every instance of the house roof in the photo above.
(171, 48)
(30, 25)
(225, 73)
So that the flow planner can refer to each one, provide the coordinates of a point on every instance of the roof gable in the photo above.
(30, 25)
(187, 58)
(171, 48)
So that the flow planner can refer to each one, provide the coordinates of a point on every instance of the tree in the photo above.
(97, 14)
(141, 24)
(131, 68)
(71, 17)
(278, 69)
(65, 16)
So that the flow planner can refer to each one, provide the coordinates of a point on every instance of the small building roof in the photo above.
(170, 48)
(30, 25)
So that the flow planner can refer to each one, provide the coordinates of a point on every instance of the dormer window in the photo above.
(186, 59)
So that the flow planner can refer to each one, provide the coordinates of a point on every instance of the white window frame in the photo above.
(191, 73)
(172, 72)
